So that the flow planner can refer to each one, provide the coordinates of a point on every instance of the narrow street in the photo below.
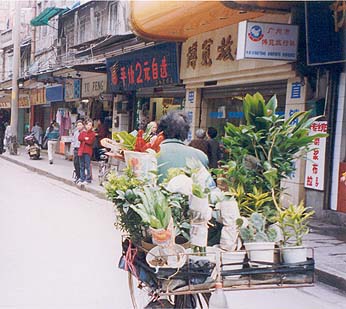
(59, 250)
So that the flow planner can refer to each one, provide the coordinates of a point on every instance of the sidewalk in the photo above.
(328, 241)
(61, 169)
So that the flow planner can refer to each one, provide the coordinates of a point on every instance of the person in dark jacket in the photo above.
(200, 142)
(52, 135)
(214, 152)
(85, 152)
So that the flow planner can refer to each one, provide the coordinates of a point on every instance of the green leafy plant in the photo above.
(293, 222)
(255, 230)
(262, 152)
(154, 208)
(120, 189)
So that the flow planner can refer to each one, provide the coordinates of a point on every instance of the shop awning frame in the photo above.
(47, 14)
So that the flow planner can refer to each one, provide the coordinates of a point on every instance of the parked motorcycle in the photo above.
(32, 148)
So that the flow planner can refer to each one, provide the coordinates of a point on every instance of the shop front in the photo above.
(23, 117)
(40, 108)
(94, 94)
(146, 85)
(218, 70)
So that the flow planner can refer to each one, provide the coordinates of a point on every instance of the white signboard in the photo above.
(94, 86)
(258, 40)
(314, 172)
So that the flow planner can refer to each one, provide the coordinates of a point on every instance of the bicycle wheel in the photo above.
(198, 301)
(140, 295)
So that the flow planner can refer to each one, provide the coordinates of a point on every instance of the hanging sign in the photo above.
(148, 67)
(72, 90)
(38, 96)
(94, 86)
(24, 102)
(258, 40)
(314, 171)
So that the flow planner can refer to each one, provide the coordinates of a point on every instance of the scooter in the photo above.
(32, 148)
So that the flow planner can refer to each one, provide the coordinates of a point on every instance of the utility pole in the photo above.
(15, 74)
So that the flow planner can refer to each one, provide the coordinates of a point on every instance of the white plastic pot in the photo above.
(260, 252)
(294, 254)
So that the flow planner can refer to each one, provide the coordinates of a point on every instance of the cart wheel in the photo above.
(200, 301)
(139, 295)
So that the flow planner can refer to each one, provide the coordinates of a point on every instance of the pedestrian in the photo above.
(38, 133)
(87, 139)
(200, 142)
(2, 137)
(173, 152)
(75, 146)
(214, 151)
(52, 135)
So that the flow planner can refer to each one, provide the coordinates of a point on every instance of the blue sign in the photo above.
(55, 93)
(191, 96)
(326, 34)
(296, 90)
(153, 66)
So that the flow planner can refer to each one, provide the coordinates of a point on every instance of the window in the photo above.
(113, 18)
(82, 37)
(98, 19)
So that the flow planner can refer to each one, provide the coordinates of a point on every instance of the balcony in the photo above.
(6, 38)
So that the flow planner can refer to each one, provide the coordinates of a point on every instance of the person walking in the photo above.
(75, 146)
(214, 152)
(38, 133)
(2, 137)
(200, 142)
(85, 151)
(52, 135)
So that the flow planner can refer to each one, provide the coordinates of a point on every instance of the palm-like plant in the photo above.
(262, 150)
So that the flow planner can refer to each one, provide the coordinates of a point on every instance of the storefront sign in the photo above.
(314, 172)
(72, 90)
(149, 67)
(55, 93)
(257, 40)
(94, 86)
(24, 102)
(191, 96)
(5, 104)
(38, 96)
(326, 31)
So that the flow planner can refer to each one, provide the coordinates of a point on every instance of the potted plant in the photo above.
(259, 241)
(121, 190)
(261, 152)
(155, 211)
(293, 222)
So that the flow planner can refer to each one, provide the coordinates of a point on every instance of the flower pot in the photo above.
(294, 254)
(232, 257)
(161, 237)
(212, 253)
(260, 252)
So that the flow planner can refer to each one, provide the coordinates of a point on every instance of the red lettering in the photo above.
(163, 68)
(317, 141)
(314, 168)
(155, 69)
(315, 155)
(146, 71)
(309, 181)
(139, 79)
(131, 75)
(123, 76)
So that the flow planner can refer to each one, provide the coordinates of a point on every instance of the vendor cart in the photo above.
(191, 285)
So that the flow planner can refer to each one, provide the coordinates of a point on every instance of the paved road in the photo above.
(59, 250)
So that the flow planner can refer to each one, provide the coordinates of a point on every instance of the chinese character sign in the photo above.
(314, 171)
(259, 40)
(149, 67)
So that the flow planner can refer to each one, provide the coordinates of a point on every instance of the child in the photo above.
(85, 152)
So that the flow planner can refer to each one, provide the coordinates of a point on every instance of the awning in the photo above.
(47, 14)
(178, 20)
